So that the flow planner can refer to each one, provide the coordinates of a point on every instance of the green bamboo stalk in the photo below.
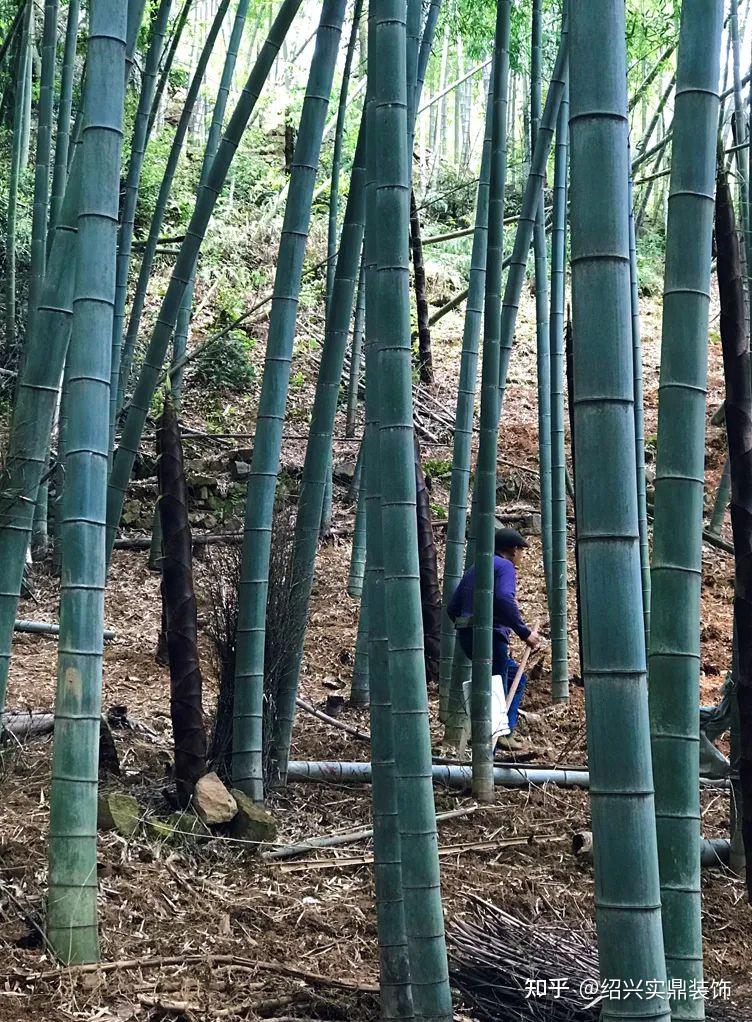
(358, 553)
(42, 163)
(356, 356)
(426, 42)
(510, 305)
(37, 397)
(167, 63)
(13, 30)
(541, 307)
(394, 980)
(526, 221)
(339, 134)
(485, 471)
(249, 665)
(317, 469)
(16, 170)
(130, 198)
(463, 434)
(325, 519)
(39, 220)
(741, 138)
(414, 15)
(678, 510)
(135, 15)
(317, 464)
(28, 88)
(155, 228)
(205, 203)
(642, 507)
(627, 895)
(180, 343)
(359, 694)
(721, 501)
(558, 605)
(65, 107)
(72, 904)
(424, 921)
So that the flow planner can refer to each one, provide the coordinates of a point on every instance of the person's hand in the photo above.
(533, 641)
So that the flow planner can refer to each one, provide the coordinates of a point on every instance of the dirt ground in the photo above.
(211, 932)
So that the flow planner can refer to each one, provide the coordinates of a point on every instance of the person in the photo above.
(508, 550)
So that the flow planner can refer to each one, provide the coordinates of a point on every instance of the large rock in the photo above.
(252, 823)
(213, 802)
(119, 812)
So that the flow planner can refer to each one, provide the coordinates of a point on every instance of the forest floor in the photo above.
(206, 932)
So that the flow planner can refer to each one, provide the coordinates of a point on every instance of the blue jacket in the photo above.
(506, 612)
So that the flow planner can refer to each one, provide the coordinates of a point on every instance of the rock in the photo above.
(344, 470)
(120, 812)
(160, 830)
(251, 822)
(213, 802)
(240, 470)
(189, 827)
(132, 512)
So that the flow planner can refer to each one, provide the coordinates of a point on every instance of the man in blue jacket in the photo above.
(508, 548)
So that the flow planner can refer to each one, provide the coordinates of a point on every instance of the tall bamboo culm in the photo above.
(463, 420)
(65, 107)
(130, 200)
(642, 505)
(16, 170)
(317, 463)
(543, 360)
(485, 472)
(558, 598)
(390, 288)
(394, 967)
(249, 665)
(627, 892)
(151, 367)
(155, 227)
(72, 901)
(37, 397)
(182, 326)
(680, 473)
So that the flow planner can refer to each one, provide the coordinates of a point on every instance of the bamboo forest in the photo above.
(376, 510)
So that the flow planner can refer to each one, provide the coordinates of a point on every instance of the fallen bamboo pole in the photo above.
(48, 628)
(455, 776)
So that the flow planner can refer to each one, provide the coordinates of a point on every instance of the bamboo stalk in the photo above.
(674, 664)
(627, 897)
(72, 900)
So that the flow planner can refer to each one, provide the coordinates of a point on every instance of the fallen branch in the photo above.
(459, 849)
(362, 736)
(362, 834)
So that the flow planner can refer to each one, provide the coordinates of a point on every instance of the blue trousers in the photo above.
(503, 664)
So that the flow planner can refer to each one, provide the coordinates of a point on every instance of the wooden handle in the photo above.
(520, 670)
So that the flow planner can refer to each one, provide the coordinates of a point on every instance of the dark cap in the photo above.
(505, 539)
